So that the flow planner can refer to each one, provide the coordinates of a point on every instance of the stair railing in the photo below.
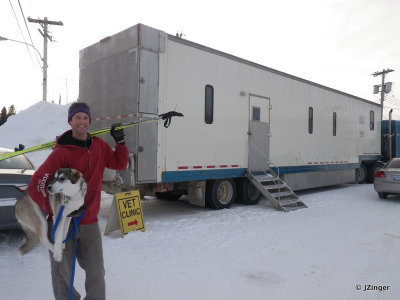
(269, 163)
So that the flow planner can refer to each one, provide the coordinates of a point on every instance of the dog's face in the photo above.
(67, 181)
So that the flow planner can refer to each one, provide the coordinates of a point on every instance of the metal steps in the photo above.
(273, 188)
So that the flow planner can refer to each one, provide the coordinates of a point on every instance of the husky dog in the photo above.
(67, 188)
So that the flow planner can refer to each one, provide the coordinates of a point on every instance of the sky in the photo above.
(337, 43)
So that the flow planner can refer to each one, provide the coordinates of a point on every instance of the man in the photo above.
(89, 155)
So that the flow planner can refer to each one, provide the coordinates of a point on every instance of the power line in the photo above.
(393, 103)
(23, 37)
(391, 107)
(29, 33)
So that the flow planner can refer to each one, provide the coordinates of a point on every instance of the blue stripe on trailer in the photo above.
(370, 157)
(191, 175)
(315, 168)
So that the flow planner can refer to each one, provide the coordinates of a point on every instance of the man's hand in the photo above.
(118, 134)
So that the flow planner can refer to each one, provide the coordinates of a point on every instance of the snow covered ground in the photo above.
(345, 242)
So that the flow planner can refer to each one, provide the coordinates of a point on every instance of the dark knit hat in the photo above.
(78, 107)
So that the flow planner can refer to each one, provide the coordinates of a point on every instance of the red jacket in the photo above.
(89, 161)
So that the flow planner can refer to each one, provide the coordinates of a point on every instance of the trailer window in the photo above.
(310, 120)
(334, 124)
(209, 104)
(371, 120)
(256, 113)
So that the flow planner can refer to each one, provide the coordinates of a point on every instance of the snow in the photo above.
(345, 238)
(40, 123)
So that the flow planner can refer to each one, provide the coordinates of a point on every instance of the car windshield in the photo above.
(395, 163)
(16, 162)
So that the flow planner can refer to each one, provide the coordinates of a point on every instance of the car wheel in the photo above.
(361, 174)
(382, 195)
(247, 193)
(220, 193)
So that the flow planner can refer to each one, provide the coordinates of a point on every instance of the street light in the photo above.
(2, 38)
(44, 73)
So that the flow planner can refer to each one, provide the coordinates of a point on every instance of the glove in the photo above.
(118, 135)
(77, 213)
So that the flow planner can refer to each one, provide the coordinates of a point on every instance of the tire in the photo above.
(361, 174)
(372, 170)
(382, 195)
(247, 193)
(220, 193)
(169, 195)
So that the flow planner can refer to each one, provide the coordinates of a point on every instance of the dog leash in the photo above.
(53, 231)
(77, 220)
(74, 232)
(74, 229)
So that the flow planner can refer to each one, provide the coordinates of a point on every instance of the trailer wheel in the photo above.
(247, 193)
(170, 195)
(361, 174)
(220, 193)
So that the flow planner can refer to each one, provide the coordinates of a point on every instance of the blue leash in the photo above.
(73, 232)
(53, 231)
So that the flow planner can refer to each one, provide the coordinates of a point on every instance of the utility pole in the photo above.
(383, 72)
(45, 33)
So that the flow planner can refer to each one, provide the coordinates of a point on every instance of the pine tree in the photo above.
(11, 110)
(3, 116)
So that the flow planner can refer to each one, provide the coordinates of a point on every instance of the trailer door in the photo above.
(148, 100)
(259, 132)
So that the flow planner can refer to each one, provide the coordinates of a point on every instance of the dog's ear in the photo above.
(75, 175)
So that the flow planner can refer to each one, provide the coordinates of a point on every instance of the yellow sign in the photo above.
(129, 211)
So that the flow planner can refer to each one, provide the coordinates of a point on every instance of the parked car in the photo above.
(387, 179)
(15, 174)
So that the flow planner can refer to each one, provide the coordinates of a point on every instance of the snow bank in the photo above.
(38, 124)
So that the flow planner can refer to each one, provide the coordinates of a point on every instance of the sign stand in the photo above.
(113, 219)
(125, 214)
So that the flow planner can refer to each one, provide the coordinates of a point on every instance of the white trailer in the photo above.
(241, 121)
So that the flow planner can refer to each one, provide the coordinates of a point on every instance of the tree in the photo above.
(11, 110)
(3, 116)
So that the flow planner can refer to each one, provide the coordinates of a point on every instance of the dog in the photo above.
(67, 188)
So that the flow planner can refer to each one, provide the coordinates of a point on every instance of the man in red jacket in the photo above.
(89, 155)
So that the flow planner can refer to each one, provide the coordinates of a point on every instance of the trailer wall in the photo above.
(187, 68)
(315, 135)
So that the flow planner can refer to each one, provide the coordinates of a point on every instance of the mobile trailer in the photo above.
(240, 119)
